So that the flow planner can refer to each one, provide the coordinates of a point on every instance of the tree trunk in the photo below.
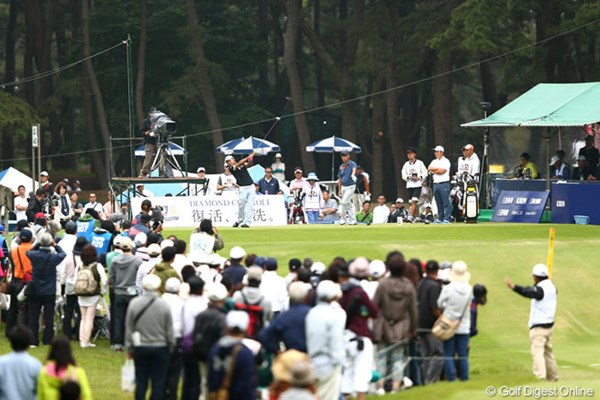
(442, 104)
(396, 141)
(378, 139)
(141, 67)
(9, 72)
(290, 38)
(210, 104)
(101, 161)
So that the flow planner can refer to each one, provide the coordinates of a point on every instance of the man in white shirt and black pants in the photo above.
(440, 168)
(541, 321)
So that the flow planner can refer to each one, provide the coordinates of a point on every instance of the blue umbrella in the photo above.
(249, 145)
(227, 145)
(331, 145)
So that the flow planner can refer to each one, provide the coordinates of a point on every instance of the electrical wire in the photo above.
(310, 110)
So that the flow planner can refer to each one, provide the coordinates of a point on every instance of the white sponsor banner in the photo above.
(183, 211)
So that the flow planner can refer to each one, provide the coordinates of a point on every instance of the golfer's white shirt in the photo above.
(441, 163)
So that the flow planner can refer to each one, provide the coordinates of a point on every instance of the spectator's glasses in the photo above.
(268, 172)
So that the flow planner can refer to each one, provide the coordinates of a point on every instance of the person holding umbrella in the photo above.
(247, 191)
(346, 188)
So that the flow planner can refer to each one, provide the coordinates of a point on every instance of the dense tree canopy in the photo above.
(386, 74)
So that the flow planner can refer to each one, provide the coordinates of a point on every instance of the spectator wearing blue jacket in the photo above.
(231, 349)
(289, 326)
(45, 257)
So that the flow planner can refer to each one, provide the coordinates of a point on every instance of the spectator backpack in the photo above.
(255, 314)
(87, 280)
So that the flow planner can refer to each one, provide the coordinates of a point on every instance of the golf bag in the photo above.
(296, 215)
(464, 198)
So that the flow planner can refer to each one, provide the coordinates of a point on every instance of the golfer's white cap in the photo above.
(278, 155)
(540, 270)
(229, 158)
(439, 148)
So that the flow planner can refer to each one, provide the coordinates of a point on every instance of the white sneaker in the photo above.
(343, 222)
(87, 345)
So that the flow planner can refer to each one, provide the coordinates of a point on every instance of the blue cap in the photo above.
(271, 264)
(25, 235)
(260, 261)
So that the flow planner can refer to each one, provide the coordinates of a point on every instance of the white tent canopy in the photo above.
(13, 178)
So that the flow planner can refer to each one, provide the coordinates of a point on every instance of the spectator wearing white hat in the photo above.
(149, 337)
(325, 325)
(454, 302)
(278, 168)
(144, 269)
(141, 251)
(426, 215)
(440, 168)
(235, 272)
(209, 325)
(469, 162)
(381, 212)
(45, 183)
(541, 320)
(171, 297)
(376, 272)
(312, 198)
(202, 187)
(251, 296)
(226, 184)
(559, 169)
(230, 357)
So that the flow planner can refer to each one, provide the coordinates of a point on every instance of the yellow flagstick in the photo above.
(551, 251)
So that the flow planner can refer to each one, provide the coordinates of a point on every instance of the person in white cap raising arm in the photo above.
(541, 320)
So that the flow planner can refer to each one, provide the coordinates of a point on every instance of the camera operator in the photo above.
(36, 204)
(149, 144)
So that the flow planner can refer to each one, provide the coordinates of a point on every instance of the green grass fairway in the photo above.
(499, 355)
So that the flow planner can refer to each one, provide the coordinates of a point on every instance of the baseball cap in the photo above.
(439, 148)
(377, 269)
(126, 243)
(151, 282)
(229, 158)
(140, 239)
(468, 146)
(217, 292)
(200, 169)
(166, 243)
(117, 241)
(271, 264)
(297, 170)
(278, 155)
(553, 160)
(359, 267)
(25, 235)
(317, 268)
(399, 200)
(154, 250)
(328, 290)
(71, 227)
(255, 273)
(44, 173)
(411, 149)
(237, 252)
(540, 270)
(344, 153)
(237, 319)
(172, 285)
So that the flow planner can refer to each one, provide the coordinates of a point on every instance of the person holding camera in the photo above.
(36, 204)
(414, 173)
(149, 144)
